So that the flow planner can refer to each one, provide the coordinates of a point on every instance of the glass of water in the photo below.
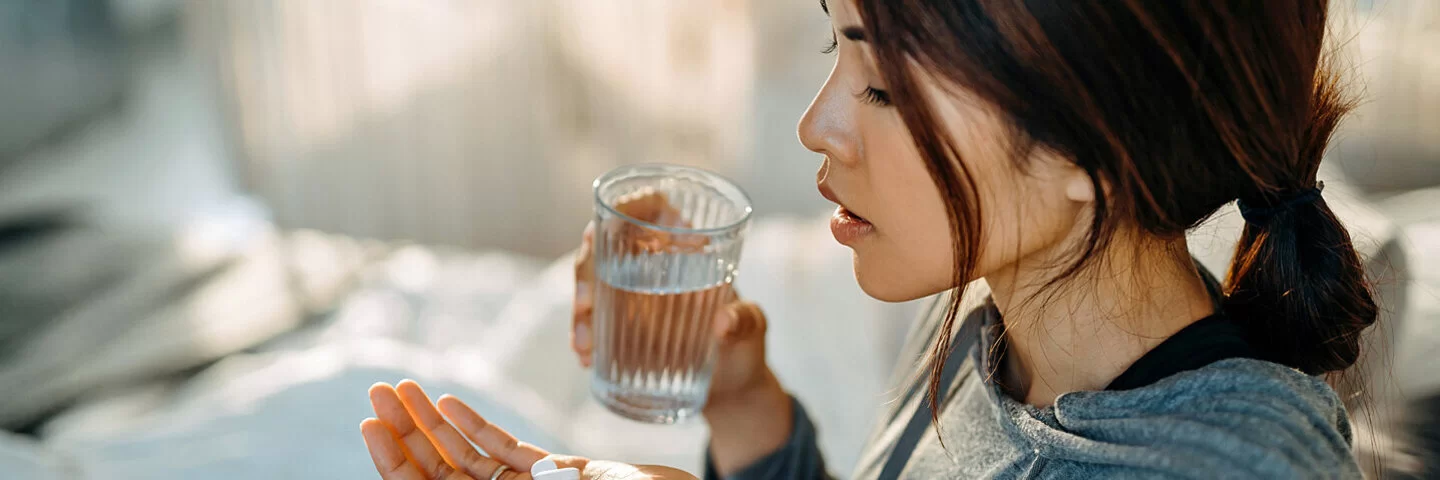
(667, 242)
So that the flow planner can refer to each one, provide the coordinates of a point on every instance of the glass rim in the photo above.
(725, 184)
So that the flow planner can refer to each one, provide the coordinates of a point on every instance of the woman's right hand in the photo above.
(749, 412)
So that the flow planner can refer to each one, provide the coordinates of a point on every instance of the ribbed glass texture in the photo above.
(667, 243)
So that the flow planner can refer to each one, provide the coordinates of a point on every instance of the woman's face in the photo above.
(891, 213)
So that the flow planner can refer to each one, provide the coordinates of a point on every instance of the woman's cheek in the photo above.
(910, 259)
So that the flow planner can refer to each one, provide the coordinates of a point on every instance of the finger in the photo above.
(741, 320)
(646, 205)
(725, 315)
(496, 442)
(651, 206)
(385, 451)
(752, 319)
(582, 336)
(453, 446)
(584, 265)
(390, 410)
(724, 323)
(581, 339)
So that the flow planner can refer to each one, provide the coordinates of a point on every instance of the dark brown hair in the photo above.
(1177, 107)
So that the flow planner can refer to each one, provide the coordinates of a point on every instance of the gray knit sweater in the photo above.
(1236, 418)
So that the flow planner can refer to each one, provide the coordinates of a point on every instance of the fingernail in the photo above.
(582, 336)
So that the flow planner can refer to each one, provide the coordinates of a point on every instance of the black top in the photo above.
(1208, 340)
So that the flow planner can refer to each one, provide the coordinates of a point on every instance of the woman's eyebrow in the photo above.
(825, 7)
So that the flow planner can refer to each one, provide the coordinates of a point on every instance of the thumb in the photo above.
(740, 321)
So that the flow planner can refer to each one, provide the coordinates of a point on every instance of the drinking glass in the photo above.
(667, 242)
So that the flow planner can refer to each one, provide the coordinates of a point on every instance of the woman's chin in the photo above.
(887, 283)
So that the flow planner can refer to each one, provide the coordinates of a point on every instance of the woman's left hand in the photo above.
(410, 440)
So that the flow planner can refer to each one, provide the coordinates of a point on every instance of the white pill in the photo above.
(568, 473)
(543, 465)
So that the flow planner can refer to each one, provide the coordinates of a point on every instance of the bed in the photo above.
(232, 349)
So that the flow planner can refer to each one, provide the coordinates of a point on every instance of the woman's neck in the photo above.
(1084, 332)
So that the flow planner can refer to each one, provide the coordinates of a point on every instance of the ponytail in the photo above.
(1296, 282)
(1299, 286)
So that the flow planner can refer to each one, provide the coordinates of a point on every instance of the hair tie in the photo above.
(1259, 216)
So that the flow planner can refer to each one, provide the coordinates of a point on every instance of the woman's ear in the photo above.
(1078, 187)
(1071, 178)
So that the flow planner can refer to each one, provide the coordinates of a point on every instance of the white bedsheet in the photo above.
(492, 329)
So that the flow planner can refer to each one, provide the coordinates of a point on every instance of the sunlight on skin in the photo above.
(410, 439)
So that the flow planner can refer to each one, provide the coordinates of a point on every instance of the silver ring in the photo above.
(498, 471)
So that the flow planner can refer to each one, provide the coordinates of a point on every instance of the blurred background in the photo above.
(221, 221)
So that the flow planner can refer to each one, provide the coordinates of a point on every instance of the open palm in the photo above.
(409, 439)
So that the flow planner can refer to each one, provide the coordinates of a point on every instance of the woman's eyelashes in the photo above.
(870, 95)
(875, 96)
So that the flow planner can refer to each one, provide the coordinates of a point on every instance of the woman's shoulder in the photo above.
(1239, 415)
(1234, 380)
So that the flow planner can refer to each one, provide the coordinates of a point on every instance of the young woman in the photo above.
(1058, 150)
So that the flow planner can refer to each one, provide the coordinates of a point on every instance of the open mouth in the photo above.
(848, 215)
(848, 227)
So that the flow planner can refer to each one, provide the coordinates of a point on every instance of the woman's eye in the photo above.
(830, 47)
(875, 96)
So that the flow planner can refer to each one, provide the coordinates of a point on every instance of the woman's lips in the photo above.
(844, 224)
(849, 228)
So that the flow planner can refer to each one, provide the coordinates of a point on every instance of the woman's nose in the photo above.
(827, 127)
